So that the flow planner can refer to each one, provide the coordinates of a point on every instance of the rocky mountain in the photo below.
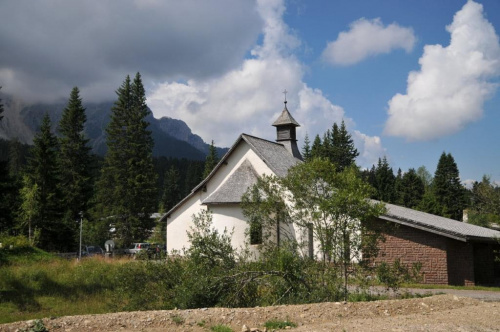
(173, 138)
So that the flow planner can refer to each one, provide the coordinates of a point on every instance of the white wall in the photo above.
(226, 216)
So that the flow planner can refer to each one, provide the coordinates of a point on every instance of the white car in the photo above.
(136, 247)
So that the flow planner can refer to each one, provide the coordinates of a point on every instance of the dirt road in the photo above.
(437, 313)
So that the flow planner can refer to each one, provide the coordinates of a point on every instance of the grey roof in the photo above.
(439, 225)
(232, 190)
(285, 118)
(275, 155)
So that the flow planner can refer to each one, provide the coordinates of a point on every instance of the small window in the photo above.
(255, 233)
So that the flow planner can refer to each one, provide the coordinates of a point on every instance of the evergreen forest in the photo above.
(49, 188)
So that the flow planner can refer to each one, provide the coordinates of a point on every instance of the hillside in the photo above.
(173, 137)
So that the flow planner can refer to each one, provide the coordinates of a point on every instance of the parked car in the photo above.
(91, 250)
(136, 247)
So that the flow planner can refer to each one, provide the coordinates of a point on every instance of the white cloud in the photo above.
(49, 46)
(367, 38)
(248, 99)
(453, 83)
(370, 149)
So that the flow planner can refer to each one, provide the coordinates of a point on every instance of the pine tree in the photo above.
(127, 186)
(75, 161)
(17, 159)
(171, 189)
(316, 149)
(194, 175)
(448, 190)
(412, 189)
(398, 188)
(8, 198)
(43, 171)
(343, 152)
(306, 149)
(368, 175)
(385, 180)
(211, 160)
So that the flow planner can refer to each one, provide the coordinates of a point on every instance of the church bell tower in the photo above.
(285, 130)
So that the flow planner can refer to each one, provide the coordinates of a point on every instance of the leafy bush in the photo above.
(392, 276)
(18, 241)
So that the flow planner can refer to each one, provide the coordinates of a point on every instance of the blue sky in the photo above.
(364, 89)
(221, 66)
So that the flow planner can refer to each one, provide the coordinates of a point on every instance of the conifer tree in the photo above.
(398, 190)
(194, 175)
(306, 149)
(412, 189)
(368, 175)
(343, 152)
(43, 171)
(127, 186)
(448, 190)
(8, 198)
(75, 160)
(16, 160)
(385, 180)
(171, 189)
(316, 149)
(326, 150)
(211, 160)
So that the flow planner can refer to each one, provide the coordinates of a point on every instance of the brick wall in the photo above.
(411, 245)
(460, 263)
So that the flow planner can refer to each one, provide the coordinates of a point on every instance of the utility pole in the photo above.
(80, 250)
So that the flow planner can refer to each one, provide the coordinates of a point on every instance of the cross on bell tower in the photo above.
(286, 131)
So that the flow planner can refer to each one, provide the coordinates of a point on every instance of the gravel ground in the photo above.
(437, 313)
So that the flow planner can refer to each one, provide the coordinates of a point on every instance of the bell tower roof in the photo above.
(286, 131)
(285, 119)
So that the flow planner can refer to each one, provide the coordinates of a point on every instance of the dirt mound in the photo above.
(436, 313)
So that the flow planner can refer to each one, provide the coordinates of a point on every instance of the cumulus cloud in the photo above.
(453, 82)
(370, 148)
(248, 99)
(367, 38)
(49, 46)
(200, 61)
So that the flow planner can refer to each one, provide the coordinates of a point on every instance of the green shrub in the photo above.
(279, 324)
(18, 241)
(221, 328)
(177, 319)
(38, 326)
(392, 276)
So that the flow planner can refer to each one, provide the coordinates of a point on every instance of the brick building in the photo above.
(451, 252)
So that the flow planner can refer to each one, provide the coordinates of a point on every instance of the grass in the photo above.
(426, 286)
(279, 324)
(24, 255)
(35, 284)
(221, 328)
